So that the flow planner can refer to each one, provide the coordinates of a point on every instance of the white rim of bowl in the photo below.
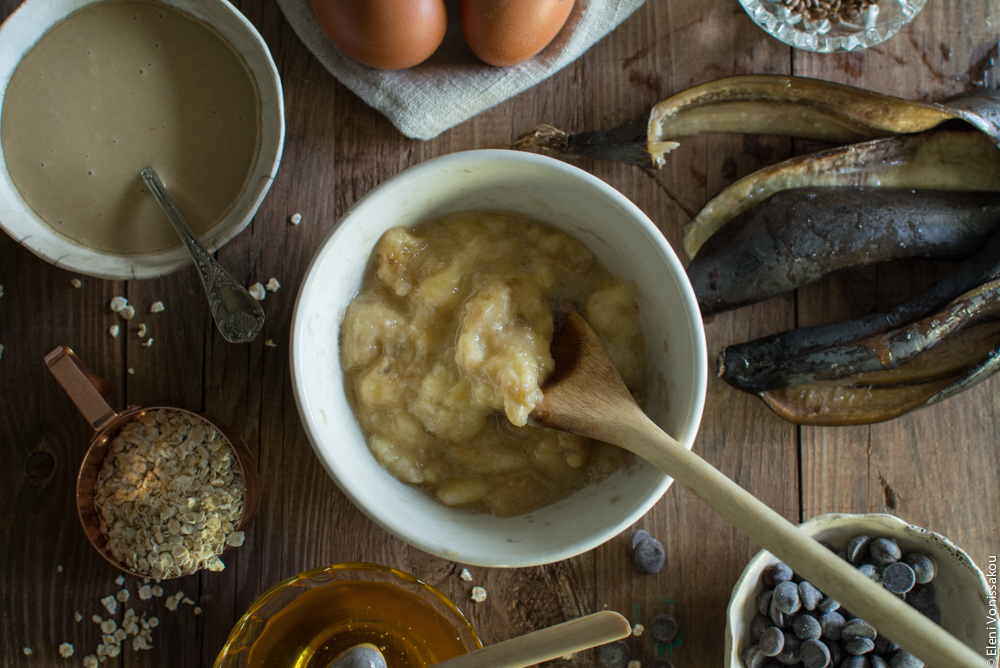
(699, 387)
(22, 223)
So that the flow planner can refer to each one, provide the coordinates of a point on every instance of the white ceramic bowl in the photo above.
(962, 593)
(624, 240)
(20, 32)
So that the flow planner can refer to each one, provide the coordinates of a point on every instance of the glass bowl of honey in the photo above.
(307, 620)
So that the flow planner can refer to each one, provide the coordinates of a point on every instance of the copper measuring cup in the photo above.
(88, 391)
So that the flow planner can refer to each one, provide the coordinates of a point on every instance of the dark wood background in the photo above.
(937, 468)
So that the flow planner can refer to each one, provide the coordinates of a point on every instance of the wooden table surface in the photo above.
(938, 467)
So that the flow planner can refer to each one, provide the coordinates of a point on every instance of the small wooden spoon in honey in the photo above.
(527, 650)
(585, 395)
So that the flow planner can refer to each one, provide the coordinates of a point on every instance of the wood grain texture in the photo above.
(938, 467)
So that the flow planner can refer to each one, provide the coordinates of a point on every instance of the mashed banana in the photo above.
(446, 345)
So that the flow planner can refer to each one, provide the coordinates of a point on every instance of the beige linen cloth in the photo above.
(453, 85)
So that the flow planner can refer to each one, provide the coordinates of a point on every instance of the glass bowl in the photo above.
(872, 25)
(309, 619)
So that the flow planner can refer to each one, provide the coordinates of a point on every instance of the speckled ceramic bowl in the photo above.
(20, 32)
(963, 594)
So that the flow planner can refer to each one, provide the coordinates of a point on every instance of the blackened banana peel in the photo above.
(858, 207)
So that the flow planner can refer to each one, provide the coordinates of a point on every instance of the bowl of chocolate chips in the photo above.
(776, 618)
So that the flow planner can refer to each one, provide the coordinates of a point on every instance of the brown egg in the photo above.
(386, 34)
(508, 32)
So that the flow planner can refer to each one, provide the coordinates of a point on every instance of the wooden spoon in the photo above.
(520, 652)
(586, 396)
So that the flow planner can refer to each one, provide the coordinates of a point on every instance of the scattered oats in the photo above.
(196, 610)
(120, 580)
(145, 592)
(187, 601)
(154, 622)
(27, 651)
(478, 594)
(122, 595)
(76, 282)
(569, 657)
(90, 661)
(634, 664)
(171, 604)
(113, 330)
(119, 635)
(114, 650)
(77, 616)
(272, 284)
(157, 307)
(96, 619)
(118, 303)
(110, 604)
(295, 219)
(148, 343)
(65, 650)
(59, 568)
(270, 344)
(131, 371)
(465, 575)
(178, 596)
(128, 312)
(638, 629)
(235, 539)
(156, 590)
(142, 330)
(257, 291)
(139, 642)
(108, 626)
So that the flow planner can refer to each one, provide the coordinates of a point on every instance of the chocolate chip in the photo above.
(758, 625)
(870, 571)
(790, 652)
(859, 646)
(663, 627)
(921, 596)
(922, 565)
(637, 538)
(828, 604)
(858, 628)
(772, 642)
(752, 657)
(903, 659)
(776, 573)
(809, 595)
(806, 627)
(649, 556)
(836, 654)
(884, 646)
(877, 661)
(884, 551)
(856, 662)
(786, 597)
(814, 654)
(764, 601)
(833, 624)
(898, 578)
(857, 549)
(615, 655)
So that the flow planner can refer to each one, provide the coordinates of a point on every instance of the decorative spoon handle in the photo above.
(238, 315)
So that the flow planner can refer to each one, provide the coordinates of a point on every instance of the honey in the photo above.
(324, 621)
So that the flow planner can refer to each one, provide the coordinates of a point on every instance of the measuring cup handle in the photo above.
(82, 386)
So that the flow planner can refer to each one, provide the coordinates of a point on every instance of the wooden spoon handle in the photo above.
(545, 644)
(824, 569)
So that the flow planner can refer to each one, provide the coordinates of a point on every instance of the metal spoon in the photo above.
(237, 314)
